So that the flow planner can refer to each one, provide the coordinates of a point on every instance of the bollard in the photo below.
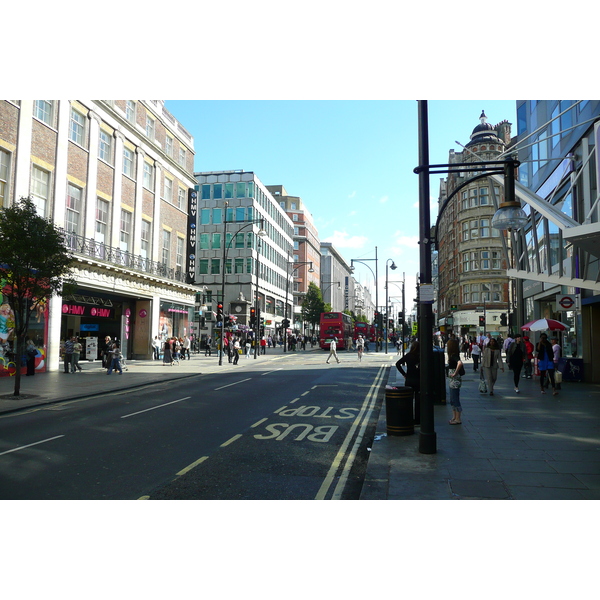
(399, 411)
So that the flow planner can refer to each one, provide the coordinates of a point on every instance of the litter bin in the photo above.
(439, 376)
(399, 411)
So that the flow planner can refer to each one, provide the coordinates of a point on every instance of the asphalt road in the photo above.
(295, 429)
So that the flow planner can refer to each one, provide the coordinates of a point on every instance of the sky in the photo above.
(350, 161)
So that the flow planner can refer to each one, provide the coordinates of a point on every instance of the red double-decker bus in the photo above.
(336, 324)
(366, 330)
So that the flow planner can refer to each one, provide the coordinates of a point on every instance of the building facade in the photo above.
(306, 252)
(337, 283)
(474, 295)
(233, 262)
(115, 174)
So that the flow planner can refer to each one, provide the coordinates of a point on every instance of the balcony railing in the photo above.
(87, 247)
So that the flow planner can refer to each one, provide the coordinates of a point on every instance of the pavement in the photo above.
(510, 446)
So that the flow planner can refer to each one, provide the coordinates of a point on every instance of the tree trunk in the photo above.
(18, 353)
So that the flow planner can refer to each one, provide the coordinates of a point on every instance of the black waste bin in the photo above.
(399, 411)
(439, 376)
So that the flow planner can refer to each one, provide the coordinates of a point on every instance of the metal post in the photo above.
(223, 285)
(427, 436)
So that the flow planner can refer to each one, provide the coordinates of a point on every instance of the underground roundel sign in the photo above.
(565, 302)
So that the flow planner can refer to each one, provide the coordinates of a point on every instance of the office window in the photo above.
(146, 236)
(250, 188)
(168, 190)
(203, 266)
(181, 198)
(40, 189)
(42, 110)
(205, 216)
(218, 191)
(148, 176)
(150, 127)
(484, 198)
(240, 189)
(240, 213)
(239, 240)
(179, 253)
(217, 216)
(239, 265)
(169, 146)
(228, 191)
(215, 266)
(125, 231)
(4, 173)
(182, 156)
(216, 241)
(128, 162)
(130, 110)
(204, 237)
(166, 247)
(77, 127)
(105, 146)
(294, 217)
(293, 206)
(206, 191)
(73, 209)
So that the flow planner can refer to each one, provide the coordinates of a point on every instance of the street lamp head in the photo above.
(393, 266)
(311, 270)
(509, 216)
(262, 232)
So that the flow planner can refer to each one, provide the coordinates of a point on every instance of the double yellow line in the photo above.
(361, 421)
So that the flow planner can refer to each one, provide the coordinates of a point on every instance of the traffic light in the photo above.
(482, 321)
(285, 323)
(219, 312)
(252, 317)
(391, 323)
(503, 320)
(376, 319)
(401, 318)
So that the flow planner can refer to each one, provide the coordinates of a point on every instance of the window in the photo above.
(240, 189)
(205, 192)
(40, 189)
(215, 266)
(169, 146)
(293, 206)
(4, 171)
(168, 190)
(146, 236)
(240, 213)
(179, 253)
(218, 191)
(182, 156)
(296, 231)
(150, 128)
(105, 147)
(204, 241)
(228, 190)
(77, 127)
(205, 216)
(73, 209)
(216, 241)
(130, 110)
(181, 198)
(217, 216)
(42, 110)
(148, 176)
(294, 217)
(166, 247)
(203, 267)
(484, 198)
(125, 234)
(128, 158)
(239, 240)
(239, 265)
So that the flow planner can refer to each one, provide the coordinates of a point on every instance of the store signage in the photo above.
(191, 241)
(567, 302)
(79, 310)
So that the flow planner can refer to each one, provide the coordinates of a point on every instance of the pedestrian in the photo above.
(186, 346)
(248, 347)
(167, 355)
(528, 364)
(207, 347)
(516, 355)
(263, 345)
(412, 377)
(156, 347)
(456, 370)
(506, 345)
(236, 350)
(475, 355)
(176, 349)
(545, 358)
(30, 354)
(556, 349)
(360, 346)
(68, 356)
(491, 362)
(115, 362)
(106, 352)
(77, 348)
(332, 350)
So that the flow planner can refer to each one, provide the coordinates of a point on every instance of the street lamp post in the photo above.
(261, 232)
(363, 260)
(393, 267)
(256, 303)
(287, 293)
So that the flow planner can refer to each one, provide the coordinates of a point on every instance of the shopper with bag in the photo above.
(455, 372)
(491, 362)
(516, 354)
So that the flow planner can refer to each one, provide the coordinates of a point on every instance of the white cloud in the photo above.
(384, 199)
(352, 213)
(341, 239)
(352, 194)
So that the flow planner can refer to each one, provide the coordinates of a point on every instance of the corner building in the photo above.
(115, 174)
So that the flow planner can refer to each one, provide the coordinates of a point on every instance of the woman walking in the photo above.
(476, 355)
(491, 362)
(545, 357)
(167, 357)
(455, 372)
(516, 355)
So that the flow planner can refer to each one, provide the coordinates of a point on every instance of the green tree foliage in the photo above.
(313, 306)
(35, 263)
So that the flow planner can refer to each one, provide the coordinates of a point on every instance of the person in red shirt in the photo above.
(528, 364)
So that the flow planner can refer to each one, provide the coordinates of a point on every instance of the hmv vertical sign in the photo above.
(191, 245)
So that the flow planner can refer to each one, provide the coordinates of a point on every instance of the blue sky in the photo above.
(350, 161)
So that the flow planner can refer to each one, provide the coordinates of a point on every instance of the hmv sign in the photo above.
(78, 310)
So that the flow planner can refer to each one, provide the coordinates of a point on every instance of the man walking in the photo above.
(207, 348)
(68, 357)
(332, 350)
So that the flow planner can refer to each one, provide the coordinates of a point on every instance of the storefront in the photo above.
(175, 320)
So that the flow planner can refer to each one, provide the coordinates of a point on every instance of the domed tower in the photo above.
(473, 284)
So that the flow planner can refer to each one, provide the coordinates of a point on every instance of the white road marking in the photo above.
(230, 384)
(34, 444)
(139, 412)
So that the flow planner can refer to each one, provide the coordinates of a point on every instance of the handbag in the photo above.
(557, 377)
(482, 385)
(455, 382)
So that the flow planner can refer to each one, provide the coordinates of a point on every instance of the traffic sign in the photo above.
(567, 301)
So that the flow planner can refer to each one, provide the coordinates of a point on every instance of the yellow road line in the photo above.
(190, 467)
(230, 441)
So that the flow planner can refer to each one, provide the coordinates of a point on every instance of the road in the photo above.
(292, 428)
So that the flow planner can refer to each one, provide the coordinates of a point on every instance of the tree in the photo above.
(35, 263)
(313, 306)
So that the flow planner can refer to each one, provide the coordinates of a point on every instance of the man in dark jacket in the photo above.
(516, 355)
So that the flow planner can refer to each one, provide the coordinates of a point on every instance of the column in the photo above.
(92, 176)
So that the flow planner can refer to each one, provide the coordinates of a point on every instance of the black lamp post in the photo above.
(393, 267)
(261, 232)
(364, 260)
(287, 293)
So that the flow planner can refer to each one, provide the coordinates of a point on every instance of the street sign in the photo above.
(426, 293)
(567, 301)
